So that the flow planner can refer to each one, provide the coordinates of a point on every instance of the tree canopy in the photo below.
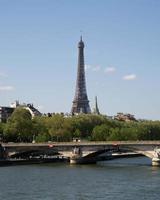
(20, 127)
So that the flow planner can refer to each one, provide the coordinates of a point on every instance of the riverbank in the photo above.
(29, 161)
(12, 162)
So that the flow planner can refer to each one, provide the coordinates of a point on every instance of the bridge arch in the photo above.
(117, 149)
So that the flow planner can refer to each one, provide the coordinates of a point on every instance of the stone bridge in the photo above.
(87, 151)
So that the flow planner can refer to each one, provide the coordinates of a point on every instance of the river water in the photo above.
(121, 179)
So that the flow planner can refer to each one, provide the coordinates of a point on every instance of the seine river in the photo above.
(121, 179)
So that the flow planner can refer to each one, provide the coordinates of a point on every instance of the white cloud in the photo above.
(110, 70)
(6, 88)
(87, 67)
(129, 77)
(2, 74)
(92, 68)
(96, 68)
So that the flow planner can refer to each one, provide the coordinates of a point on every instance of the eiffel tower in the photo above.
(80, 102)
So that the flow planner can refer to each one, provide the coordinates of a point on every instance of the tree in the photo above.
(101, 133)
(19, 127)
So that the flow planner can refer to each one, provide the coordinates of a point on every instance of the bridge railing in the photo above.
(156, 142)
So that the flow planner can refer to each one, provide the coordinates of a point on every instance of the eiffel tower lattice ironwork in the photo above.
(81, 102)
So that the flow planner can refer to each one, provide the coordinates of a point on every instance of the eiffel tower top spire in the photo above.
(81, 102)
(81, 43)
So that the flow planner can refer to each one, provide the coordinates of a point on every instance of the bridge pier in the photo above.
(3, 154)
(156, 157)
(77, 157)
(155, 161)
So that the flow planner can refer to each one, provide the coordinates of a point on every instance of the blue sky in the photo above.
(38, 54)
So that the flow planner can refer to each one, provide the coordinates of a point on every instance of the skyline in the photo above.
(39, 54)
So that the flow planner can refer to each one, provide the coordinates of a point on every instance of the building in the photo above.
(33, 111)
(80, 102)
(125, 117)
(5, 112)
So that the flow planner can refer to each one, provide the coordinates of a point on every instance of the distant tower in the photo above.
(96, 109)
(80, 102)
